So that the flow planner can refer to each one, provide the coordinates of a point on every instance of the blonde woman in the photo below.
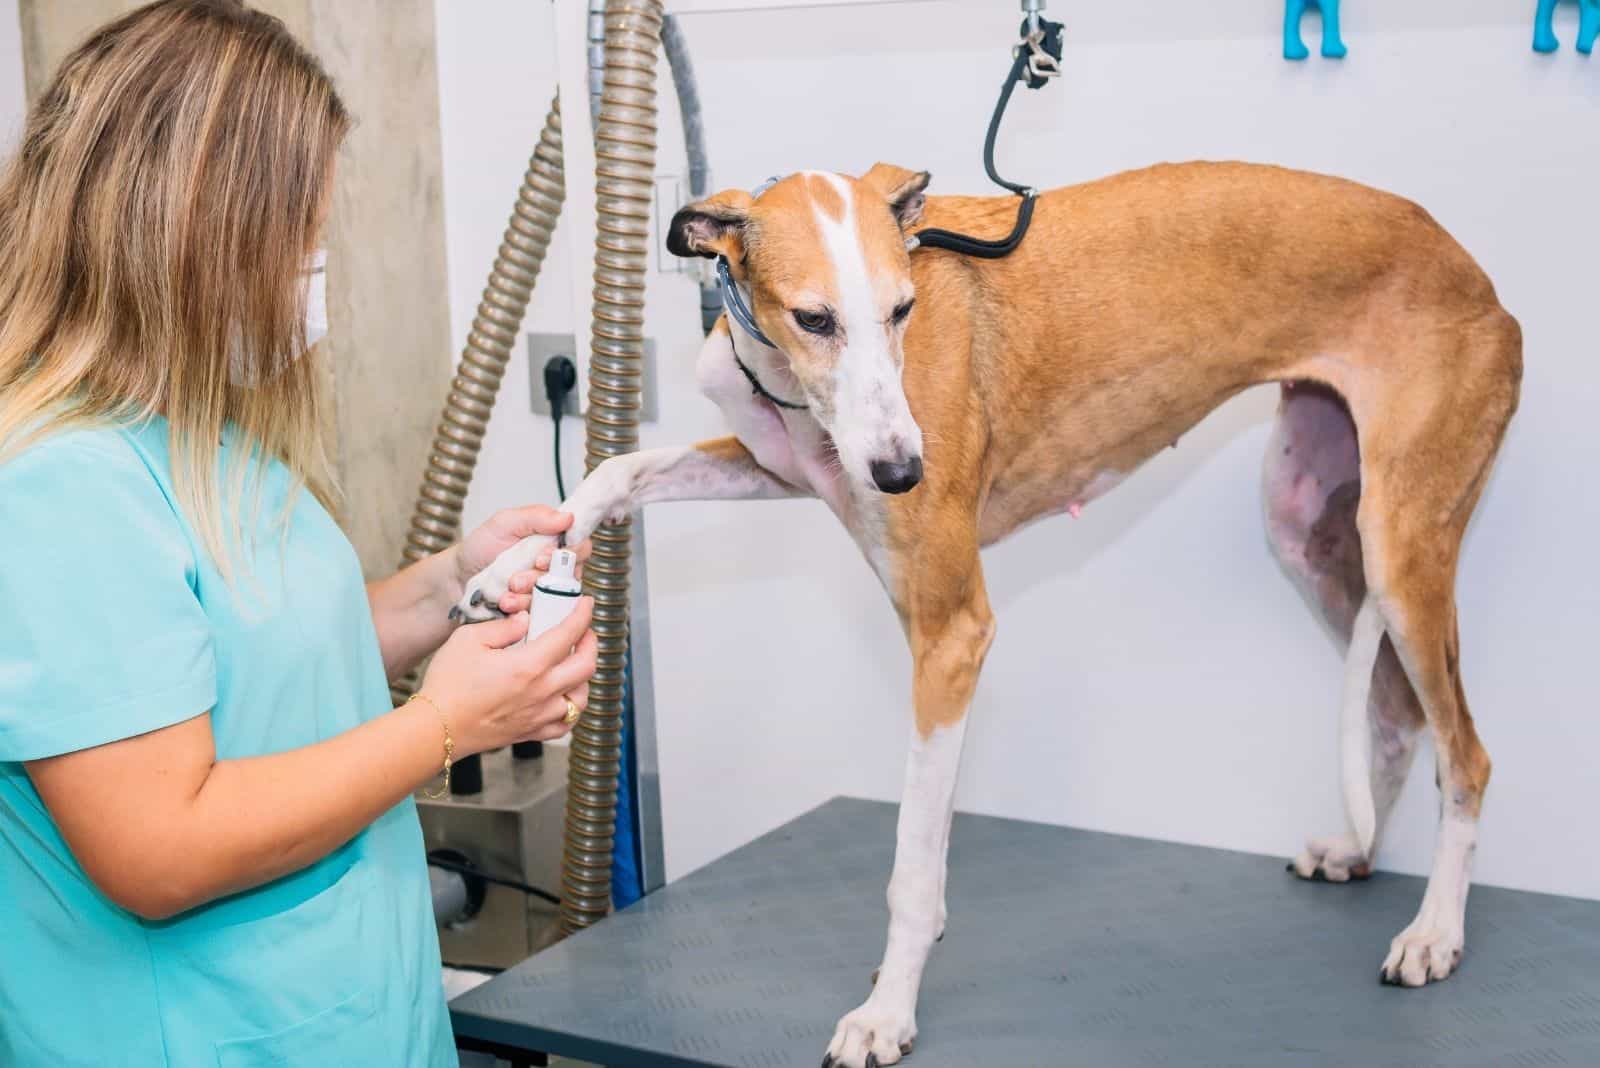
(208, 851)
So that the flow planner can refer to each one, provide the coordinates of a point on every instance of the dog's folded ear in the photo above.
(712, 227)
(903, 189)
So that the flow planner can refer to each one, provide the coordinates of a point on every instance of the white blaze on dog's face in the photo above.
(823, 259)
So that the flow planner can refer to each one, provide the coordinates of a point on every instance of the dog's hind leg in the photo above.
(1424, 461)
(950, 627)
(1311, 490)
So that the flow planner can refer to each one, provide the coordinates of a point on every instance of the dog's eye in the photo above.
(901, 311)
(814, 322)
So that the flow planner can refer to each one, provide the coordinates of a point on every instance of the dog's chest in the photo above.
(791, 445)
(1042, 494)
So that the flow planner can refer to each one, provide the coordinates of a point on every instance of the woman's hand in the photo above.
(412, 610)
(494, 692)
(503, 530)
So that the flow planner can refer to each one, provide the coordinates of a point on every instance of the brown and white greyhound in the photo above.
(1025, 386)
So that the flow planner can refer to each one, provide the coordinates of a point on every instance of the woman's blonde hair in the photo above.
(154, 228)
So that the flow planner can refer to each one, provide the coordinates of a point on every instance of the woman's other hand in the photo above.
(494, 692)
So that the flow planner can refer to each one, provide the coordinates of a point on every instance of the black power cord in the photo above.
(560, 377)
(443, 859)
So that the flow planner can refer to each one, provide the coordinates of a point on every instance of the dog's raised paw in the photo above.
(480, 600)
(1335, 858)
(871, 1036)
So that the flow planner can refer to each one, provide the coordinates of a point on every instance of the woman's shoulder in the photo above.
(83, 488)
(86, 458)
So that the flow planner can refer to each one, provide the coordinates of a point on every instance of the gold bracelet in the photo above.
(449, 745)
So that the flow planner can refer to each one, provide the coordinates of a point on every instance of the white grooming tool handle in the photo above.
(555, 595)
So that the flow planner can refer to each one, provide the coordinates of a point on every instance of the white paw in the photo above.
(601, 498)
(480, 599)
(871, 1036)
(1427, 951)
(1336, 858)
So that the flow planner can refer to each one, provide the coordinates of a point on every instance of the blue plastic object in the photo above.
(1544, 34)
(627, 883)
(1332, 43)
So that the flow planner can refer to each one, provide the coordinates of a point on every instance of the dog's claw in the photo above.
(827, 1060)
(872, 1060)
(905, 1049)
(477, 598)
(455, 612)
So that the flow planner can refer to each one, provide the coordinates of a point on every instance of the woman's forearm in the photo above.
(259, 818)
(410, 610)
(162, 826)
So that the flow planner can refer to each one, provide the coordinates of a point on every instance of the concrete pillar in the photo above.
(388, 350)
(11, 90)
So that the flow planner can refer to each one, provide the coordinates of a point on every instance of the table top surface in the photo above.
(1064, 947)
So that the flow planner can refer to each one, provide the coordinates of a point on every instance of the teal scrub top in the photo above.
(113, 623)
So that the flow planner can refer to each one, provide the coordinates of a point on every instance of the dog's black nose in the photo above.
(897, 477)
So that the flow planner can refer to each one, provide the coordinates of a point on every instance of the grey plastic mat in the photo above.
(1064, 947)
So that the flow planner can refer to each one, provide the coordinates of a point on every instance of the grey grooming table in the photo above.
(1064, 947)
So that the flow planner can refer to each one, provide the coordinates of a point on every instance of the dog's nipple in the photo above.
(1075, 509)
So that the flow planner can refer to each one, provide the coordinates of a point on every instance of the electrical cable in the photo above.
(477, 873)
(561, 486)
(560, 377)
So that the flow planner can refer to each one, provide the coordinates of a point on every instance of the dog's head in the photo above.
(823, 259)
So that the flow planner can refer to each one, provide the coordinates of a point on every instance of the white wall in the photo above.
(1154, 674)
(497, 76)
(11, 97)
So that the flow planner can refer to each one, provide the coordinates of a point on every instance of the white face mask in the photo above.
(316, 296)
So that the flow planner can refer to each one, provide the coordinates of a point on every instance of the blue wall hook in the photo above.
(1544, 34)
(1332, 43)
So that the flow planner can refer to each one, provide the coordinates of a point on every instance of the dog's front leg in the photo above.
(721, 469)
(950, 627)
